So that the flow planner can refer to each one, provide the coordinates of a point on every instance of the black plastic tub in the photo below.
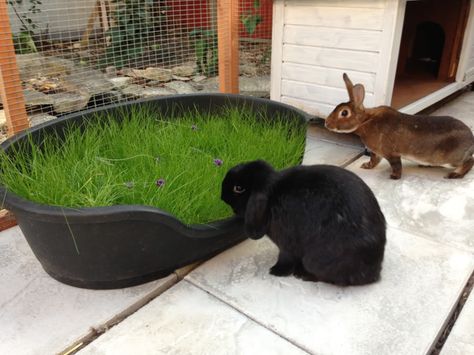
(120, 246)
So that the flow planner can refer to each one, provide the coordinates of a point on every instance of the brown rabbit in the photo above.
(389, 134)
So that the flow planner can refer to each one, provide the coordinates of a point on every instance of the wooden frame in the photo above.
(11, 93)
(467, 46)
(228, 45)
(385, 80)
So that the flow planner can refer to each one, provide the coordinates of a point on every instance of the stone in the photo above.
(91, 81)
(44, 316)
(150, 92)
(248, 69)
(461, 339)
(403, 313)
(33, 65)
(154, 83)
(181, 78)
(70, 101)
(183, 70)
(181, 87)
(186, 320)
(126, 71)
(44, 84)
(132, 90)
(199, 78)
(40, 118)
(255, 86)
(210, 85)
(120, 81)
(106, 98)
(36, 98)
(139, 91)
(158, 74)
(111, 71)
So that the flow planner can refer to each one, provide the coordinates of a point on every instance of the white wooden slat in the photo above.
(340, 3)
(389, 49)
(319, 93)
(312, 107)
(333, 37)
(325, 76)
(277, 49)
(331, 58)
(371, 19)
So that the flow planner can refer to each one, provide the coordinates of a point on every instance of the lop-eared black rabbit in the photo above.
(324, 219)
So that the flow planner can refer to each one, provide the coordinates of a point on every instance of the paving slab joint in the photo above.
(444, 333)
(95, 332)
(249, 316)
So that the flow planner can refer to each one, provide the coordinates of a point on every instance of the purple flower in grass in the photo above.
(218, 162)
(160, 182)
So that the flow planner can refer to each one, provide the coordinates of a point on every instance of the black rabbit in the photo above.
(324, 219)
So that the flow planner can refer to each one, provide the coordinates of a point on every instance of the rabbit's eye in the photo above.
(344, 113)
(238, 189)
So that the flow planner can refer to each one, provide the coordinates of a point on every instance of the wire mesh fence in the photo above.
(74, 55)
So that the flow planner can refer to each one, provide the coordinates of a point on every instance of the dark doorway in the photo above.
(429, 50)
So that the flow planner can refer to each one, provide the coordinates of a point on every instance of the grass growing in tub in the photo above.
(176, 165)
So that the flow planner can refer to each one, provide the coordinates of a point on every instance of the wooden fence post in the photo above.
(228, 45)
(11, 91)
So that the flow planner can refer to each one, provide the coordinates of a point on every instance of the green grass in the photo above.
(120, 162)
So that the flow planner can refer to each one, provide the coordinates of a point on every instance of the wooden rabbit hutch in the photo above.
(408, 54)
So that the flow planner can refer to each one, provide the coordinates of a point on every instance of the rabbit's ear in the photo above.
(255, 215)
(349, 86)
(358, 93)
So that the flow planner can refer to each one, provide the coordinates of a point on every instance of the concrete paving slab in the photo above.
(39, 315)
(321, 151)
(401, 314)
(461, 339)
(187, 320)
(317, 130)
(424, 202)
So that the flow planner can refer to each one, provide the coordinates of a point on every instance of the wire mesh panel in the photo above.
(255, 46)
(74, 55)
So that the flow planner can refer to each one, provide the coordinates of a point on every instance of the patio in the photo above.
(230, 304)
